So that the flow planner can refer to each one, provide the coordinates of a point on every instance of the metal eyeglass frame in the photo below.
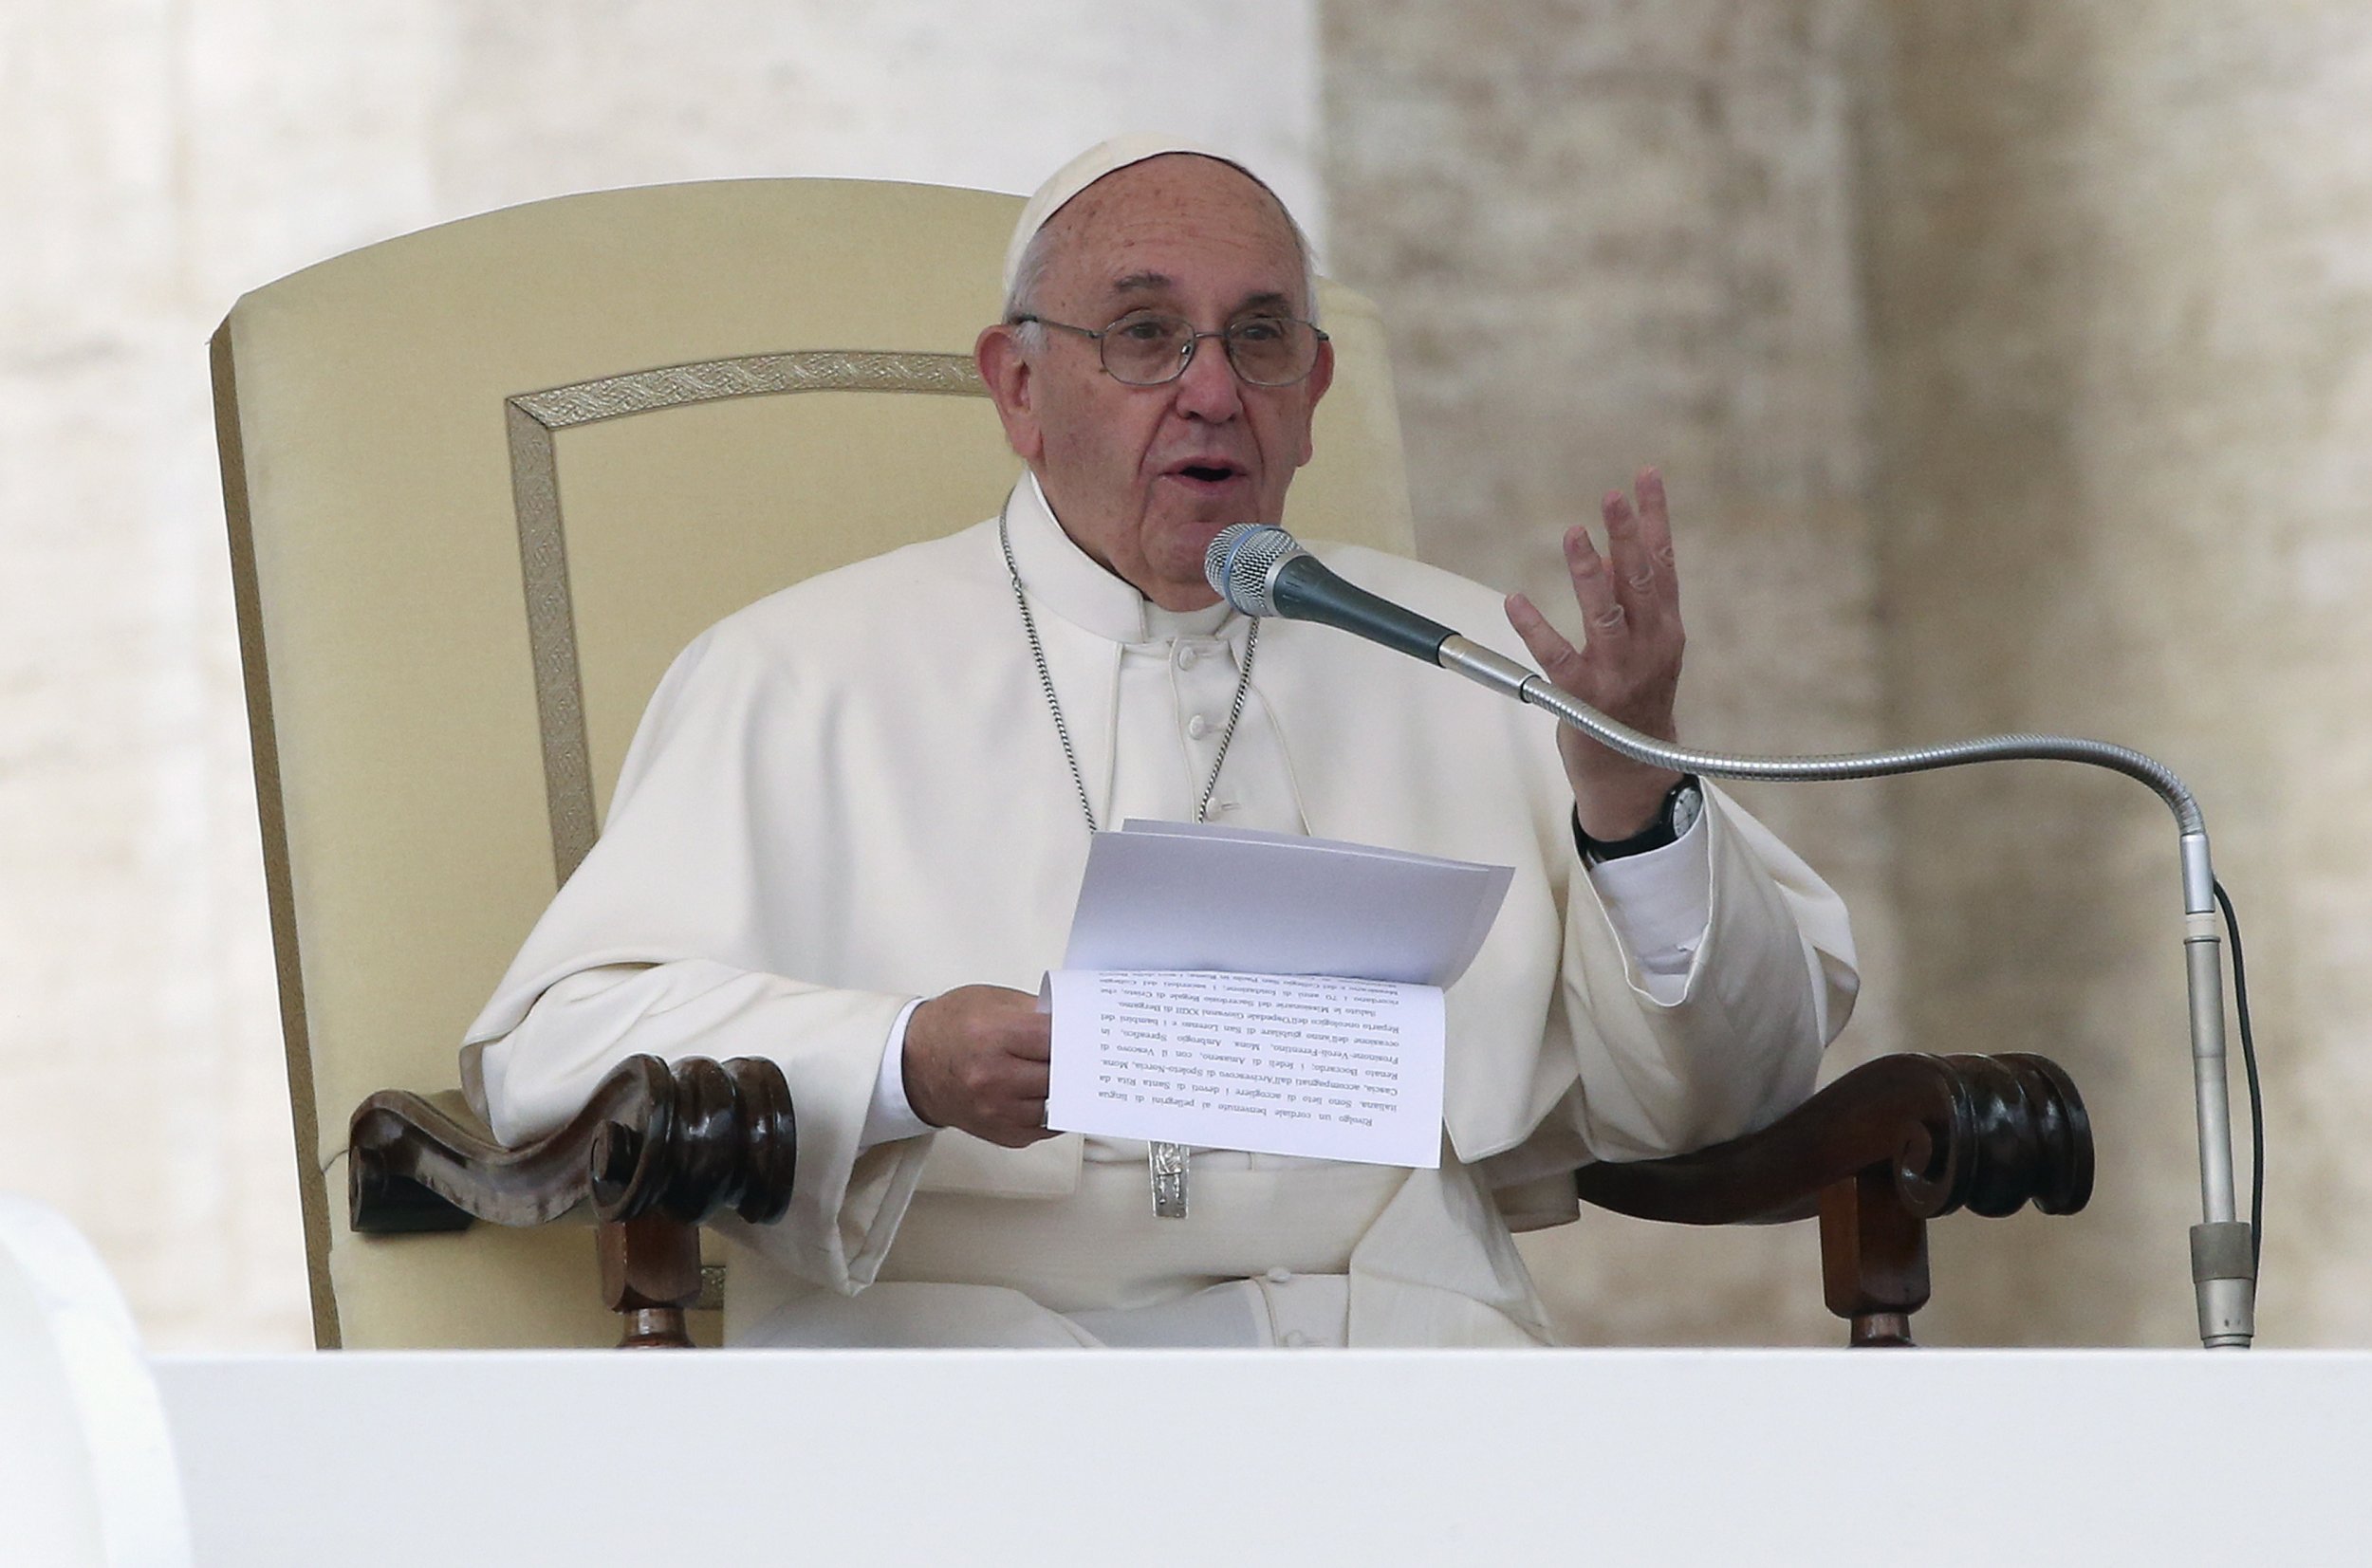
(1193, 341)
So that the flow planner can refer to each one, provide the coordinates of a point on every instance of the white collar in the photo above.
(1066, 579)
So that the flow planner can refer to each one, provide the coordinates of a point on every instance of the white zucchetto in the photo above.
(1103, 158)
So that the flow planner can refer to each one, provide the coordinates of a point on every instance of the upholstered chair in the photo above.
(483, 482)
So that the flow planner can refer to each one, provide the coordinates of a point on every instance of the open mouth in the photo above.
(1213, 473)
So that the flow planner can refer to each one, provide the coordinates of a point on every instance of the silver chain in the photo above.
(1235, 716)
(1054, 705)
(1166, 1163)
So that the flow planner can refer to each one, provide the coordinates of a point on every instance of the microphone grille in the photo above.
(1241, 561)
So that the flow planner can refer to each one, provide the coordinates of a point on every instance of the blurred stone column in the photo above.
(1606, 235)
(2012, 365)
(2121, 264)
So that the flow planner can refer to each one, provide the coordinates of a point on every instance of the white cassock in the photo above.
(851, 795)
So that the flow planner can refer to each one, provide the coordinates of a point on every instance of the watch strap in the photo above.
(1681, 806)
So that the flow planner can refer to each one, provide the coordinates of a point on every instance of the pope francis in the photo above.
(851, 826)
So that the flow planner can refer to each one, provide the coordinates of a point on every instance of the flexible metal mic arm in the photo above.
(2223, 1267)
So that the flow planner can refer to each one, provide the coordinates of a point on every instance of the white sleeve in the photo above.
(846, 1199)
(659, 944)
(1736, 1042)
(890, 1118)
(1660, 904)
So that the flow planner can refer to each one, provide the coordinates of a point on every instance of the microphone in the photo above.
(1262, 570)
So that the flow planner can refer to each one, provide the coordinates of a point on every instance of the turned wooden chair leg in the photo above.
(1873, 1255)
(650, 1273)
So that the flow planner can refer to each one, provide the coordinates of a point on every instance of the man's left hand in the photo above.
(1628, 666)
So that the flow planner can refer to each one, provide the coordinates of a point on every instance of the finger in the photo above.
(1602, 616)
(1632, 568)
(1027, 1119)
(1558, 659)
(1654, 515)
(1655, 533)
(1032, 1039)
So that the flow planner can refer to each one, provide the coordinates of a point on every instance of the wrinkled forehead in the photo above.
(1166, 229)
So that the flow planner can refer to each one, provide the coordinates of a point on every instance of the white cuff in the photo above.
(889, 1117)
(1660, 904)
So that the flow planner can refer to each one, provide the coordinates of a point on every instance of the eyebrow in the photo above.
(1145, 283)
(1155, 283)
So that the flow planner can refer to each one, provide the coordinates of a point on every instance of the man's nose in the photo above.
(1207, 389)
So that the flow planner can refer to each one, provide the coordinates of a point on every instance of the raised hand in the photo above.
(1628, 666)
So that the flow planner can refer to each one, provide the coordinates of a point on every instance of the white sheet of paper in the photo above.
(1180, 895)
(1275, 1064)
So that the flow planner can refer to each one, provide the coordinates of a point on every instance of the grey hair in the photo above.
(1038, 255)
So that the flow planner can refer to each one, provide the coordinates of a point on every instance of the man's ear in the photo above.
(1006, 370)
(1321, 378)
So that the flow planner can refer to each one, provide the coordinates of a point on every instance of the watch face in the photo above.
(1688, 804)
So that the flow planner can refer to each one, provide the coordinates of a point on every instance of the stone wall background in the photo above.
(2011, 363)
(159, 156)
(2120, 273)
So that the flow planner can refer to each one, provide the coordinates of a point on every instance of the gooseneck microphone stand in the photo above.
(1261, 571)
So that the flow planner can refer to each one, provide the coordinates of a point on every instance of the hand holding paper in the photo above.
(1263, 992)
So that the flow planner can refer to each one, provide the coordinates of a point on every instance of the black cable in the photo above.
(2257, 1095)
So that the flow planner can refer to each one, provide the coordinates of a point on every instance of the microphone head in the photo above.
(1241, 565)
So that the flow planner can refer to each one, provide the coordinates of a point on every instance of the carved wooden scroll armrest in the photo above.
(658, 1150)
(1889, 1146)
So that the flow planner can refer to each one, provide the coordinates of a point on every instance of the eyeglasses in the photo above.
(1150, 350)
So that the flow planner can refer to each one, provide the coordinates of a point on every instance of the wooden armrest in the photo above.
(1887, 1147)
(659, 1150)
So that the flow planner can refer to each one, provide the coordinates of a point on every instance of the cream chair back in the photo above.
(483, 483)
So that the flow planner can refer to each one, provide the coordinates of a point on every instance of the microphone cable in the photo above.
(2257, 1092)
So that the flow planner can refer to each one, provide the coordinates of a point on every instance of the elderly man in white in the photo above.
(849, 830)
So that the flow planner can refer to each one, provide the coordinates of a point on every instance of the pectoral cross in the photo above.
(1168, 1163)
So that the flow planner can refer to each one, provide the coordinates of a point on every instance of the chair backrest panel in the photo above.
(676, 518)
(486, 480)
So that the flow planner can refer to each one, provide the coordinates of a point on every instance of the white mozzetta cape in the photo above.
(850, 794)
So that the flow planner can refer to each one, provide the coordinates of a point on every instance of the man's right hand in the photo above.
(978, 1061)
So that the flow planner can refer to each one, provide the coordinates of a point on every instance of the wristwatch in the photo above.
(1682, 804)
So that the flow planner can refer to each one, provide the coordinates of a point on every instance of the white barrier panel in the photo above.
(1927, 1457)
(86, 1467)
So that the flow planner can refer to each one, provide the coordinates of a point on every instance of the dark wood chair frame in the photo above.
(662, 1148)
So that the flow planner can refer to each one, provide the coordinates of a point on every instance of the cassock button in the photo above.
(1296, 1339)
(1197, 726)
(1280, 1275)
(1186, 657)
